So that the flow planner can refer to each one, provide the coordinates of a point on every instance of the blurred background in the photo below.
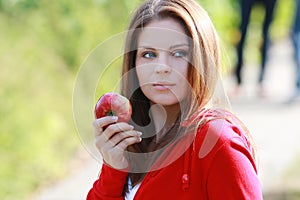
(42, 45)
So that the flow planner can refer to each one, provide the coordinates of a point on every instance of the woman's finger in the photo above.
(104, 145)
(117, 138)
(127, 142)
(103, 137)
(116, 129)
(119, 148)
(104, 121)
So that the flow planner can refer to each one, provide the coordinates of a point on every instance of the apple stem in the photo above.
(111, 113)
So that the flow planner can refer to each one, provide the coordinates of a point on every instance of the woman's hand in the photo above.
(112, 140)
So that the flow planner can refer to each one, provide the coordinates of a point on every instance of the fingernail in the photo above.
(132, 127)
(115, 118)
(139, 133)
(140, 139)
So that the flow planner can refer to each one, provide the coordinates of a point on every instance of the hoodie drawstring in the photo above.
(186, 170)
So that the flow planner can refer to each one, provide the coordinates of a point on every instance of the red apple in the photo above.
(113, 104)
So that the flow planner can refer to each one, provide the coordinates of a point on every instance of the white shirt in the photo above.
(131, 190)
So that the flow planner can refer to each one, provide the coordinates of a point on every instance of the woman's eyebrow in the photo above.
(171, 47)
(179, 45)
(145, 47)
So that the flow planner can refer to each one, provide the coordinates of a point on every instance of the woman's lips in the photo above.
(162, 86)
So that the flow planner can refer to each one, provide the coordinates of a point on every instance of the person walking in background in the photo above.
(246, 8)
(296, 43)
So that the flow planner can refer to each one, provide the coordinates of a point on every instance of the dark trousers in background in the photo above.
(246, 7)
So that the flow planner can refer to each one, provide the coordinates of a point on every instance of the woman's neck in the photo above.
(164, 117)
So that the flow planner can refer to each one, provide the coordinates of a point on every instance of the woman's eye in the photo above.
(148, 54)
(180, 53)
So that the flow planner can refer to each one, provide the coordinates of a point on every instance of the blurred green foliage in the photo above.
(42, 45)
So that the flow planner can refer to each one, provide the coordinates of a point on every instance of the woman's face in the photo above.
(162, 62)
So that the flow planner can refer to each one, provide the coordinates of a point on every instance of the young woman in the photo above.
(180, 143)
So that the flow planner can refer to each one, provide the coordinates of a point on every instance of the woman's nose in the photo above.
(162, 66)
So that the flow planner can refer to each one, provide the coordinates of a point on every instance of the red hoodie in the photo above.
(217, 165)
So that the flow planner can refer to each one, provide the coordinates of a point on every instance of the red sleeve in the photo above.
(109, 186)
(232, 174)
